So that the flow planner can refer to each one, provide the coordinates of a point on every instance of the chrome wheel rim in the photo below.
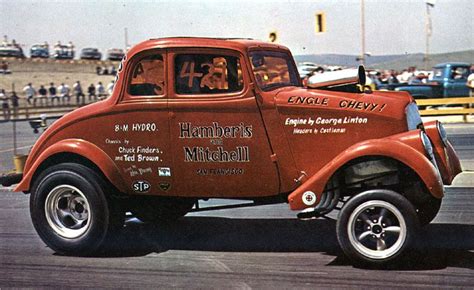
(377, 229)
(67, 211)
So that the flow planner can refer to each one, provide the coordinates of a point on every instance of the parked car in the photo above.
(11, 51)
(63, 52)
(449, 80)
(91, 53)
(39, 51)
(199, 118)
(115, 54)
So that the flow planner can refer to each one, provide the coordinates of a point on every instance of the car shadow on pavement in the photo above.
(439, 246)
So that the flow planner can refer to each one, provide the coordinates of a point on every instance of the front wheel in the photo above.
(375, 227)
(71, 210)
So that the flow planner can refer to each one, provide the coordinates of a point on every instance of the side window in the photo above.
(207, 74)
(460, 73)
(148, 77)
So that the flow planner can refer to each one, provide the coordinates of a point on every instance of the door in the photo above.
(456, 86)
(218, 139)
(140, 145)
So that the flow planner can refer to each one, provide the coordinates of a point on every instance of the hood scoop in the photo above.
(352, 80)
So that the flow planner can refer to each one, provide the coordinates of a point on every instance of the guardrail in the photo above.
(447, 106)
(31, 112)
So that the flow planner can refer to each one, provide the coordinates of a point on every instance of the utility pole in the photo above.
(429, 30)
(126, 38)
(362, 32)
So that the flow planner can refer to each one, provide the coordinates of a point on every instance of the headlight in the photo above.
(413, 116)
(442, 134)
(428, 148)
(427, 144)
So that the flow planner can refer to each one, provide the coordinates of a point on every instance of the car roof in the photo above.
(239, 44)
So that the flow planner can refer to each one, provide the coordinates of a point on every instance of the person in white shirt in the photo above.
(110, 88)
(30, 93)
(64, 90)
(100, 91)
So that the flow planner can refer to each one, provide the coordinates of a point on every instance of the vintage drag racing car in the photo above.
(199, 118)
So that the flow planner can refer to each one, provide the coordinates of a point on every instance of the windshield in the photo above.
(273, 69)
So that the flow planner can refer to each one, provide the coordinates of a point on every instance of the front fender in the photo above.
(79, 147)
(403, 147)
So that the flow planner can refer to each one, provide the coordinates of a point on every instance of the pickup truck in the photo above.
(197, 118)
(449, 80)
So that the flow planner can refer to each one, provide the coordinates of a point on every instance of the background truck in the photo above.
(199, 118)
(449, 80)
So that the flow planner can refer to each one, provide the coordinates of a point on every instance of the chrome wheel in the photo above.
(67, 211)
(377, 229)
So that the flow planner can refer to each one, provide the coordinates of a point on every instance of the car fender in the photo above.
(79, 147)
(394, 149)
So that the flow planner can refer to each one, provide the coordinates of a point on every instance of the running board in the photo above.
(197, 208)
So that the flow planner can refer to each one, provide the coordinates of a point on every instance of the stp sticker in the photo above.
(164, 171)
(141, 186)
(309, 198)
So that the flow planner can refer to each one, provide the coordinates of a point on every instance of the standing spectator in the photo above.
(43, 95)
(100, 90)
(15, 103)
(64, 92)
(91, 92)
(110, 88)
(53, 94)
(77, 88)
(5, 105)
(30, 93)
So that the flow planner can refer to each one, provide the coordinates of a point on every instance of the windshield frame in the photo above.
(295, 80)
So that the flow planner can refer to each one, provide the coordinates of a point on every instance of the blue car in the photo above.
(39, 51)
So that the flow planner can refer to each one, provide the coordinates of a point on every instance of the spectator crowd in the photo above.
(51, 95)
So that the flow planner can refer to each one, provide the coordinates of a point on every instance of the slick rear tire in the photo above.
(376, 227)
(72, 211)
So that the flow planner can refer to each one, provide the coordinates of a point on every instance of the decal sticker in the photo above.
(204, 154)
(188, 130)
(314, 101)
(216, 135)
(309, 198)
(139, 154)
(164, 171)
(134, 171)
(220, 171)
(361, 106)
(336, 125)
(141, 186)
(165, 186)
(136, 127)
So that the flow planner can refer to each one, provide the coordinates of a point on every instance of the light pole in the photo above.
(428, 29)
(362, 32)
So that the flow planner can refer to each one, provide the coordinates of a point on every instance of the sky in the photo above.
(392, 27)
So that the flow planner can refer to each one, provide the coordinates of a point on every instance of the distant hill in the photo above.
(397, 62)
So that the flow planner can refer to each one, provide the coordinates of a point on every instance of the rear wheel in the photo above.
(375, 227)
(71, 210)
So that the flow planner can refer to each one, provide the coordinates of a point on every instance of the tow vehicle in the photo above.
(198, 118)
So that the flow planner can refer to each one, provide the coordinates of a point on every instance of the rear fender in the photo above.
(82, 148)
(404, 149)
